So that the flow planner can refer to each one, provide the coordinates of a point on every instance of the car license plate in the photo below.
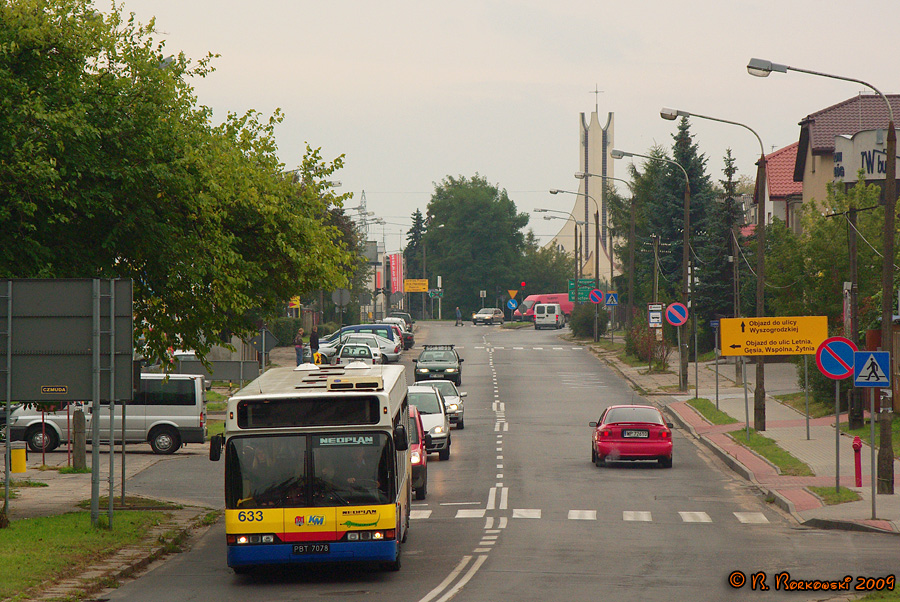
(433, 375)
(635, 434)
(311, 548)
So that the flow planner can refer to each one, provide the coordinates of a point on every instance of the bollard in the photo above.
(17, 458)
(857, 460)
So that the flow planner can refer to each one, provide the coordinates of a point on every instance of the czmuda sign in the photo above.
(864, 150)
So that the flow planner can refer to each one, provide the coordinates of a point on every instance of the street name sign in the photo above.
(781, 335)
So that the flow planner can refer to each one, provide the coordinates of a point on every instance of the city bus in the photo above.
(317, 467)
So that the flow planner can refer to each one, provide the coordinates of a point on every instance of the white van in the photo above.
(548, 315)
(164, 413)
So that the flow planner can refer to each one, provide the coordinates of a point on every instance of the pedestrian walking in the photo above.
(458, 317)
(298, 346)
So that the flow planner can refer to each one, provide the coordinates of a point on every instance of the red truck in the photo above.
(525, 310)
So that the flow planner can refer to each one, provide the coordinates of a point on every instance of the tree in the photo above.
(413, 257)
(474, 239)
(110, 169)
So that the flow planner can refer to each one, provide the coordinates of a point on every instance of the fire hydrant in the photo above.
(857, 460)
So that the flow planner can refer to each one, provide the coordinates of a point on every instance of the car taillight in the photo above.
(603, 433)
(397, 348)
(202, 419)
(664, 434)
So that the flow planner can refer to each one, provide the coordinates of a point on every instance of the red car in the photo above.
(632, 433)
(418, 455)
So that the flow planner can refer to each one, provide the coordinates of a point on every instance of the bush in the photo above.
(581, 321)
(640, 342)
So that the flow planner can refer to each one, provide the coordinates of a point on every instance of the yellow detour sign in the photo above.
(512, 292)
(415, 286)
(778, 335)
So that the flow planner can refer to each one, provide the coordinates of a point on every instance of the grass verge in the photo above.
(817, 409)
(865, 434)
(884, 596)
(768, 449)
(215, 427)
(708, 410)
(68, 545)
(832, 497)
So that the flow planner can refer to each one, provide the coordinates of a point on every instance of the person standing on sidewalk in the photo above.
(298, 346)
(458, 316)
(314, 343)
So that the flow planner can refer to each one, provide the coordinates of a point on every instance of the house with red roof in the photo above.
(815, 165)
(784, 194)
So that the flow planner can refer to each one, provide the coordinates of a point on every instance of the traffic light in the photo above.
(523, 284)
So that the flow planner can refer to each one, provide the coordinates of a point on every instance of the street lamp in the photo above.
(762, 68)
(596, 255)
(580, 175)
(577, 223)
(759, 393)
(685, 258)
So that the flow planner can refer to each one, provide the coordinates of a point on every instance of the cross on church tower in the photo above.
(596, 92)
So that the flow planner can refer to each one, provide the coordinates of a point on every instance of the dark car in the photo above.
(439, 361)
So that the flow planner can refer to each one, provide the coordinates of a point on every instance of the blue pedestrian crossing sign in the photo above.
(872, 369)
(612, 298)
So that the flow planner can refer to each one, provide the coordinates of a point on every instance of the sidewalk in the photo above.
(785, 426)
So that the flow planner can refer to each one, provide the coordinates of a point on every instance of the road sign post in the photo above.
(835, 358)
(872, 369)
(677, 315)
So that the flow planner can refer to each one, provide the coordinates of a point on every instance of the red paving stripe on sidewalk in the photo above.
(801, 498)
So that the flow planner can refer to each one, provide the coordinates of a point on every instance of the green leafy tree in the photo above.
(474, 241)
(109, 168)
(544, 269)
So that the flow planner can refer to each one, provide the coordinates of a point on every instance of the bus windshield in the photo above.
(274, 471)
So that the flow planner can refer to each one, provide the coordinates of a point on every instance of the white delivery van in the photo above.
(165, 413)
(548, 315)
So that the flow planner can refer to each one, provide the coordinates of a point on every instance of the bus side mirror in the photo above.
(216, 442)
(401, 441)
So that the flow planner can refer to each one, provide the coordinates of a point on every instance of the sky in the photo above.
(413, 92)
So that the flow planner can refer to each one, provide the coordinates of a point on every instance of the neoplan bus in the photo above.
(317, 467)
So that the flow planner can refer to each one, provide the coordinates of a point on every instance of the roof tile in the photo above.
(862, 112)
(780, 172)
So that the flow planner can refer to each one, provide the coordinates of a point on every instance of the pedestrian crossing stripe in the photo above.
(749, 518)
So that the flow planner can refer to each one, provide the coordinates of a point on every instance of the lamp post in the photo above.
(596, 254)
(577, 223)
(685, 258)
(762, 68)
(580, 175)
(759, 393)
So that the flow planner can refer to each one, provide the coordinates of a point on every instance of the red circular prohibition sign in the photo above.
(835, 357)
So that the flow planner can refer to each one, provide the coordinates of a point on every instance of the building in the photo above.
(815, 165)
(595, 142)
(784, 195)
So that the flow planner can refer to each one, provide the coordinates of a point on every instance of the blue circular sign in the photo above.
(596, 296)
(835, 357)
(511, 304)
(676, 314)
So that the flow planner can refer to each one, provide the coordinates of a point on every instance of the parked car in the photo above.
(390, 349)
(438, 361)
(434, 419)
(408, 338)
(631, 432)
(166, 412)
(418, 453)
(357, 352)
(488, 315)
(406, 317)
(453, 401)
